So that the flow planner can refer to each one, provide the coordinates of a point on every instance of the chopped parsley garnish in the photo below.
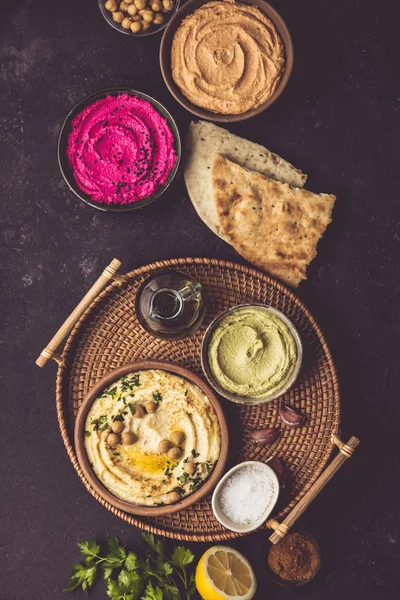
(100, 423)
(110, 391)
(87, 433)
(157, 397)
(195, 454)
(183, 478)
(118, 417)
(131, 407)
(186, 392)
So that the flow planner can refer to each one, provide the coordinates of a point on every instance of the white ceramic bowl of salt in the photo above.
(245, 497)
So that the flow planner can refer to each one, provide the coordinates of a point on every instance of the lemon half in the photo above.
(224, 574)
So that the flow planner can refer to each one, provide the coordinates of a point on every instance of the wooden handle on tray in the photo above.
(51, 349)
(345, 452)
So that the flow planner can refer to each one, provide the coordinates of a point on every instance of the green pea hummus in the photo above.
(252, 353)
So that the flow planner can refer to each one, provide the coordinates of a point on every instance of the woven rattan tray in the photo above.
(108, 335)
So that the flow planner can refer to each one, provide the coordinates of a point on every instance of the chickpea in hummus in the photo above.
(152, 438)
(227, 57)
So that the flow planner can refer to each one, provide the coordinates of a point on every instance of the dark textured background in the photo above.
(338, 121)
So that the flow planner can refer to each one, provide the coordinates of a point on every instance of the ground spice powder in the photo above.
(295, 558)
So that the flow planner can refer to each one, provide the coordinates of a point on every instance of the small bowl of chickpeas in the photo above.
(138, 17)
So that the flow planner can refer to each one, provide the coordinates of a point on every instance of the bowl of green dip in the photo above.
(251, 354)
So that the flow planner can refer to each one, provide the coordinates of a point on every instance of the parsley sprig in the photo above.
(155, 576)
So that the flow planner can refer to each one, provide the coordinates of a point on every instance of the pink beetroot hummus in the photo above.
(121, 149)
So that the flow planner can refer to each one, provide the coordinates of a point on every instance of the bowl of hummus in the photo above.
(251, 354)
(151, 438)
(225, 60)
(119, 150)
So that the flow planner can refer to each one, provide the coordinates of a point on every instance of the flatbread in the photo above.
(204, 141)
(272, 225)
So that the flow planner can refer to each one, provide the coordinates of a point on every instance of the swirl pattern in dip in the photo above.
(227, 57)
(138, 472)
(252, 353)
(121, 149)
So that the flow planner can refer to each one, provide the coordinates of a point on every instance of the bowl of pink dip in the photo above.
(119, 150)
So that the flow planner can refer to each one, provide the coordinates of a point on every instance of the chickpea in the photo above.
(168, 5)
(151, 406)
(158, 19)
(111, 5)
(136, 18)
(157, 6)
(164, 446)
(128, 438)
(173, 497)
(141, 11)
(113, 439)
(136, 26)
(117, 426)
(140, 3)
(148, 16)
(177, 437)
(128, 1)
(132, 10)
(190, 467)
(126, 23)
(123, 6)
(174, 453)
(145, 25)
(139, 410)
(118, 17)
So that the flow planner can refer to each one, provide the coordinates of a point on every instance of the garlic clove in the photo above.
(265, 437)
(290, 417)
(277, 466)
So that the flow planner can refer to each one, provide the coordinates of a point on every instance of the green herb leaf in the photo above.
(87, 433)
(115, 550)
(152, 593)
(108, 572)
(118, 417)
(163, 566)
(129, 579)
(150, 540)
(82, 576)
(89, 548)
(171, 592)
(182, 556)
(157, 397)
(115, 590)
(110, 391)
(131, 407)
(131, 562)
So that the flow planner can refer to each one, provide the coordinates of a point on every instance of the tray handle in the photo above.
(51, 349)
(345, 452)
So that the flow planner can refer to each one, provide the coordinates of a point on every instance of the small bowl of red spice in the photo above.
(119, 150)
(295, 560)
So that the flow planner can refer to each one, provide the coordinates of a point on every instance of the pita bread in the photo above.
(204, 141)
(272, 225)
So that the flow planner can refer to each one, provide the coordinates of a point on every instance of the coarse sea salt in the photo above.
(246, 495)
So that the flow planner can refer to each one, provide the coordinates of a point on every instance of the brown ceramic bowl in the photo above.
(165, 61)
(153, 511)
